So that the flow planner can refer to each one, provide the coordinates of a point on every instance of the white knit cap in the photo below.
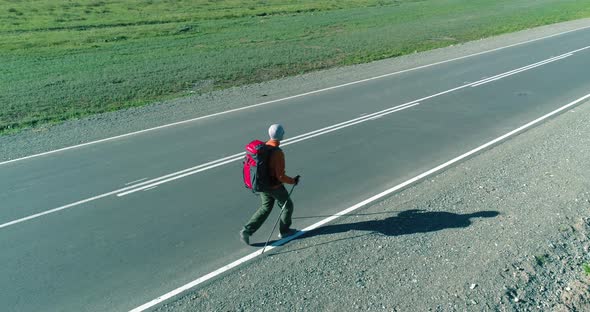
(276, 132)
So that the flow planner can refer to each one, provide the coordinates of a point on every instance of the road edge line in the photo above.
(253, 255)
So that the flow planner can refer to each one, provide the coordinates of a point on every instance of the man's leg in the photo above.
(282, 196)
(261, 214)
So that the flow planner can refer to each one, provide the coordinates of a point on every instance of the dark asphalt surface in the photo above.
(116, 253)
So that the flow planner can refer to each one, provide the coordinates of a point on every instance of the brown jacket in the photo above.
(277, 165)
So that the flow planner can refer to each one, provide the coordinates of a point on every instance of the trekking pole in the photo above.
(281, 213)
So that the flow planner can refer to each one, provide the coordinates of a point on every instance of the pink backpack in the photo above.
(256, 170)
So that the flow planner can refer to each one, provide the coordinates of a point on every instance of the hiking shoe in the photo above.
(245, 237)
(288, 233)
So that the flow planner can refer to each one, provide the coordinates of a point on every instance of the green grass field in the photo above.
(67, 59)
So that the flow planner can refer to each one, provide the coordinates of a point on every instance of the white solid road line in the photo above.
(136, 181)
(37, 215)
(288, 98)
(239, 156)
(520, 70)
(348, 123)
(346, 211)
(369, 117)
(206, 166)
(226, 160)
(287, 142)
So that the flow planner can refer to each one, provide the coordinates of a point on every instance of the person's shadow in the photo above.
(407, 222)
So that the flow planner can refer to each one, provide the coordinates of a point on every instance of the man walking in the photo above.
(276, 190)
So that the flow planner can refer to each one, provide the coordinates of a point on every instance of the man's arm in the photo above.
(279, 167)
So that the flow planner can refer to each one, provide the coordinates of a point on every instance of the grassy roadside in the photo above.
(80, 57)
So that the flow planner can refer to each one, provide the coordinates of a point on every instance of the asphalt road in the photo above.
(127, 243)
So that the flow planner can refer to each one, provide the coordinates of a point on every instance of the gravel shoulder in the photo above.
(507, 230)
(51, 137)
